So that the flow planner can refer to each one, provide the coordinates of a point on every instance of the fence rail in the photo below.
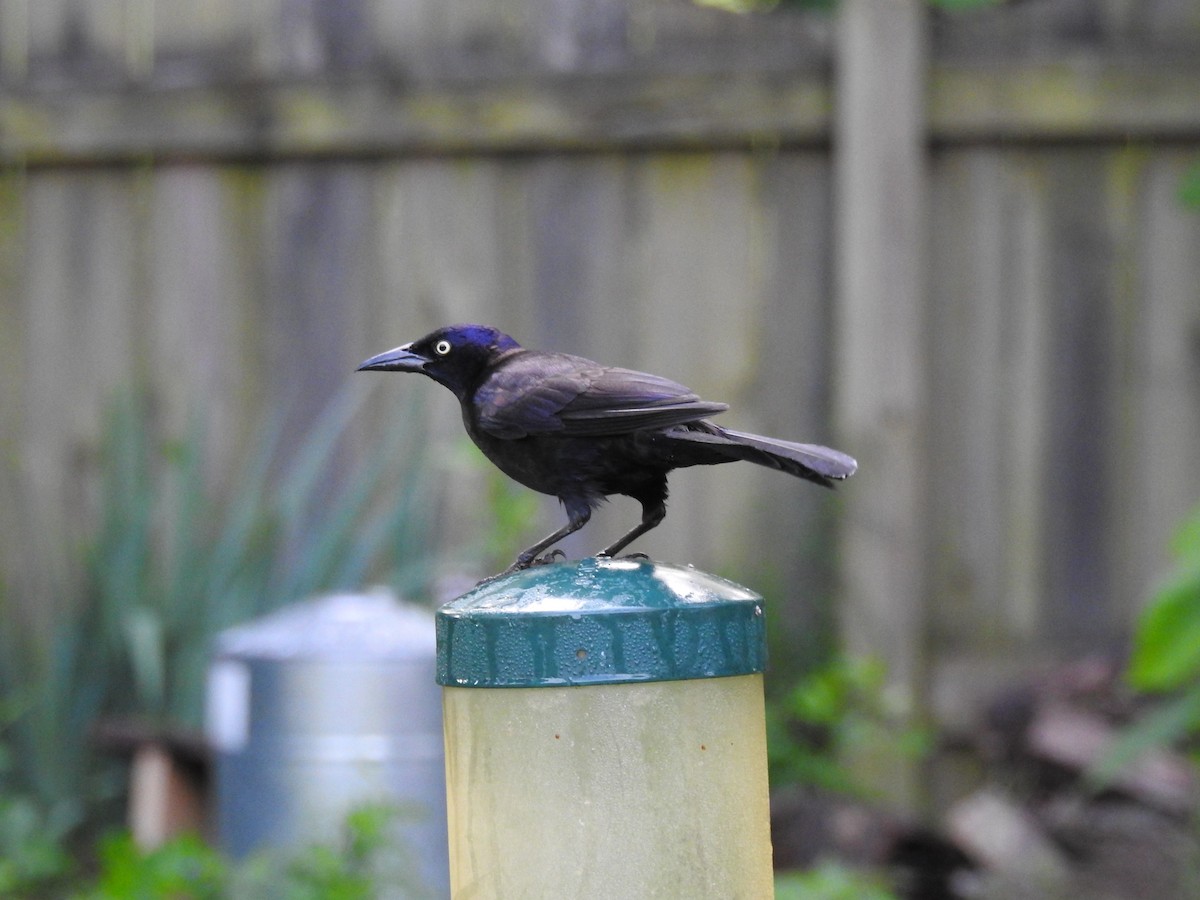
(1082, 101)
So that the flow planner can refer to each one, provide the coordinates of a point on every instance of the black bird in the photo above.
(579, 430)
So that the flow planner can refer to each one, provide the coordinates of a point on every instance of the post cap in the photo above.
(599, 621)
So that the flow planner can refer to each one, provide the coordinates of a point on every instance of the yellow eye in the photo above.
(442, 347)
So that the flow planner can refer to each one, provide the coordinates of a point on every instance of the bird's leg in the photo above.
(577, 517)
(653, 512)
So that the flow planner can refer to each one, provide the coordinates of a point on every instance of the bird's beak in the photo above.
(402, 359)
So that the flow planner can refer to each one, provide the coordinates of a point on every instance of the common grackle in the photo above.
(579, 430)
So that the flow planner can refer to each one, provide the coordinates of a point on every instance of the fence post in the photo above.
(880, 215)
(605, 735)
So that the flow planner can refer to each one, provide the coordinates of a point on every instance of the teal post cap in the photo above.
(599, 621)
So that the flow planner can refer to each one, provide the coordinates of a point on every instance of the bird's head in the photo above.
(454, 356)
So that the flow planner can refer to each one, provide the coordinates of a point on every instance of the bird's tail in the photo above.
(812, 462)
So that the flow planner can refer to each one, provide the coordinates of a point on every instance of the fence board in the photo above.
(80, 333)
(204, 334)
(1050, 276)
(882, 395)
(1160, 432)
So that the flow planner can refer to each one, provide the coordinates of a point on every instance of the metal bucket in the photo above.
(321, 708)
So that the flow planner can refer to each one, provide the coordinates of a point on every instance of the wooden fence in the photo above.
(951, 245)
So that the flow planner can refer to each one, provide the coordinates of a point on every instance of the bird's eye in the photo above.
(442, 347)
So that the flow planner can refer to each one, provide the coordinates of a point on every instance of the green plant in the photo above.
(184, 867)
(1165, 659)
(172, 559)
(1189, 187)
(1166, 652)
(840, 707)
(511, 509)
(33, 858)
(507, 518)
(31, 849)
(830, 881)
(355, 868)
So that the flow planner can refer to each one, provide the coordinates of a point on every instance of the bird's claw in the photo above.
(553, 556)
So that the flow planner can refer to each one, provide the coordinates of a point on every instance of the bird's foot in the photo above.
(523, 562)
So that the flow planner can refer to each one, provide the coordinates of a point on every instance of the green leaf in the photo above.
(367, 829)
(183, 867)
(1189, 187)
(830, 881)
(1166, 652)
(147, 657)
(1186, 542)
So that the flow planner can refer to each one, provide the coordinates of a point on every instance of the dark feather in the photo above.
(811, 462)
(541, 393)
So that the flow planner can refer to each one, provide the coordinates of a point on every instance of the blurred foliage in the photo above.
(1189, 187)
(184, 867)
(358, 867)
(33, 855)
(832, 713)
(1165, 659)
(171, 560)
(512, 510)
(506, 520)
(1166, 653)
(831, 881)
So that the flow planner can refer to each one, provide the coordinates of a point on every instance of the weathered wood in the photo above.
(1088, 101)
(880, 326)
(990, 375)
(81, 342)
(1079, 99)
(1166, 28)
(1157, 397)
(1058, 480)
(1080, 425)
(790, 393)
(370, 119)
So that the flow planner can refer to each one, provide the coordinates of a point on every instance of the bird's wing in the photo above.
(539, 393)
(621, 400)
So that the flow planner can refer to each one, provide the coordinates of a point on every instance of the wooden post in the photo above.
(880, 212)
(163, 800)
